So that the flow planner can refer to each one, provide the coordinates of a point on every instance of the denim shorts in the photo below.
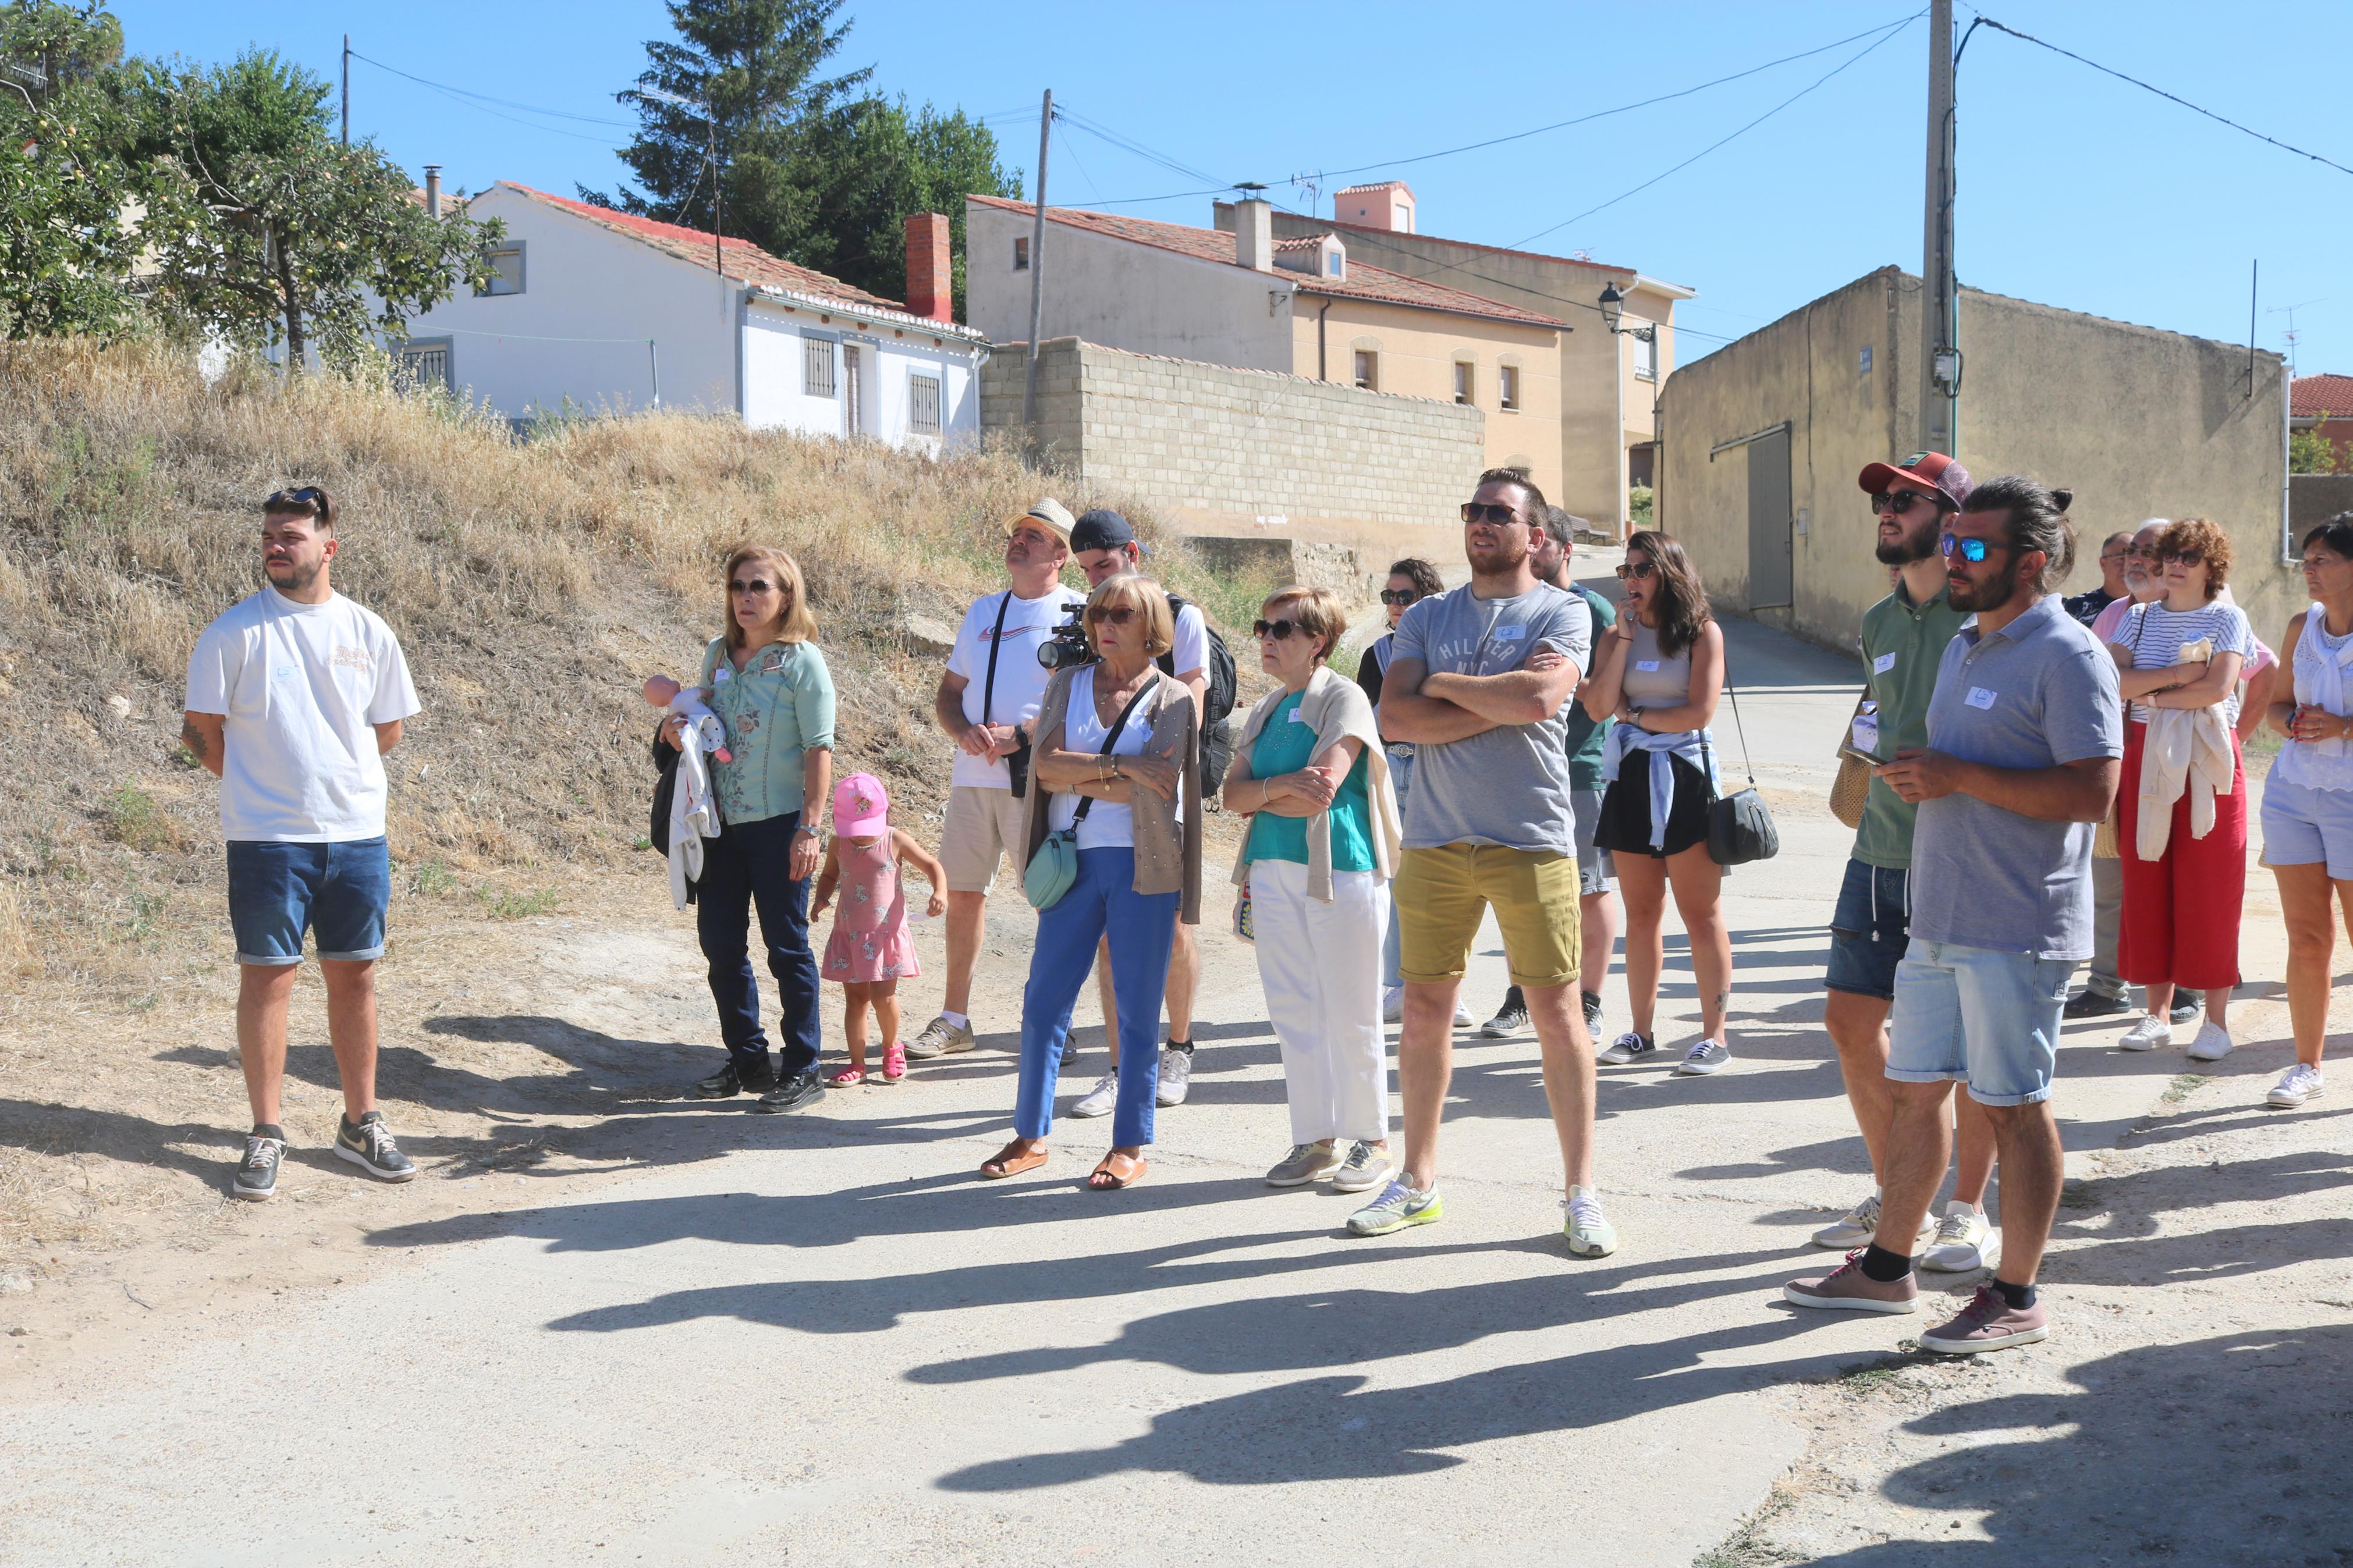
(1594, 866)
(2306, 826)
(1870, 929)
(1987, 1019)
(337, 890)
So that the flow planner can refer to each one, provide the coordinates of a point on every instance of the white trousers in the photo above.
(1321, 966)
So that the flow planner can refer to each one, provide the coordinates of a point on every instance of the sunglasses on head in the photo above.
(1636, 570)
(1972, 551)
(2187, 557)
(1400, 595)
(1113, 615)
(1897, 502)
(1278, 630)
(756, 585)
(1495, 511)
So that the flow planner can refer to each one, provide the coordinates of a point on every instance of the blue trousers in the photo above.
(748, 866)
(1140, 926)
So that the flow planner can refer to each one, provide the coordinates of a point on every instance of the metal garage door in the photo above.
(1771, 574)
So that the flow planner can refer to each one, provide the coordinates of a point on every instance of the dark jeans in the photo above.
(747, 865)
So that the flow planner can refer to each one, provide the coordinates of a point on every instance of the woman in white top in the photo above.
(1659, 671)
(2309, 798)
(2180, 915)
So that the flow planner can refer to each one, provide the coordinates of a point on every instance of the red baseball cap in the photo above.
(1929, 470)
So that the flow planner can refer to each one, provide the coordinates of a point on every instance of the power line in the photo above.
(469, 100)
(2171, 97)
(501, 102)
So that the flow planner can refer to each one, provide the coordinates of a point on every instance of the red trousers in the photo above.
(2181, 919)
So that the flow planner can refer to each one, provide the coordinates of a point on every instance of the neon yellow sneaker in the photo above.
(1399, 1206)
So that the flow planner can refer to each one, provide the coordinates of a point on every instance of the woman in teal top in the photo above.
(1316, 863)
(769, 686)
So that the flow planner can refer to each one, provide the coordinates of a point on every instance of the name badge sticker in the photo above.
(1882, 664)
(1980, 698)
(721, 674)
(1509, 634)
(1649, 665)
(1295, 717)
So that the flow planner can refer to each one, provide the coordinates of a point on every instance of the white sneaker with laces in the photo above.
(1859, 1227)
(2213, 1043)
(2151, 1032)
(1099, 1100)
(1462, 1019)
(1590, 1232)
(1392, 1003)
(2298, 1084)
(1176, 1077)
(1960, 1246)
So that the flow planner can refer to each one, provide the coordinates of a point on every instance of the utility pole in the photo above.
(1940, 360)
(1037, 276)
(347, 89)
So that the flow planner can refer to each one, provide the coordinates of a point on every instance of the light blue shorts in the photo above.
(1976, 1016)
(2306, 826)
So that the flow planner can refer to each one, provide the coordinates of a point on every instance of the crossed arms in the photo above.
(1422, 707)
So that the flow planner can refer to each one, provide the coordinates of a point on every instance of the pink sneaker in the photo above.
(1847, 1288)
(1989, 1323)
(894, 1063)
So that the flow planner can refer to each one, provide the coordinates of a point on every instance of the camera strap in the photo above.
(989, 685)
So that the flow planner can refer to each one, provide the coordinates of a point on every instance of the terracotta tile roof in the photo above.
(1364, 282)
(1303, 242)
(744, 258)
(2315, 395)
(1346, 228)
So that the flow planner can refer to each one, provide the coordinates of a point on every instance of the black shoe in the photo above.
(1592, 1000)
(2089, 1004)
(792, 1093)
(257, 1174)
(1509, 1020)
(732, 1080)
(369, 1146)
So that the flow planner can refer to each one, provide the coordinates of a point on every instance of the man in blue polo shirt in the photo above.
(2024, 741)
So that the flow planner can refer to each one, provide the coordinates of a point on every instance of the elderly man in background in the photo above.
(2115, 552)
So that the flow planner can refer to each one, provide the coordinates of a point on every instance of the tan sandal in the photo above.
(1012, 1160)
(1109, 1177)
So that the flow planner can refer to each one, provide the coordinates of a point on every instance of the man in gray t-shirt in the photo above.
(1477, 680)
(2024, 738)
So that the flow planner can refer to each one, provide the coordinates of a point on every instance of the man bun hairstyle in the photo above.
(1513, 476)
(2033, 518)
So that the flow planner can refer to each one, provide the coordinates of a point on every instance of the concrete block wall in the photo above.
(1213, 440)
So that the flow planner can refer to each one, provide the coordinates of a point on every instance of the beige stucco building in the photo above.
(1764, 438)
(1306, 305)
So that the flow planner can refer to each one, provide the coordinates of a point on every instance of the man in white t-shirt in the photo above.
(294, 696)
(988, 698)
(1104, 546)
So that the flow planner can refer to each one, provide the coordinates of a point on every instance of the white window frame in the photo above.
(521, 276)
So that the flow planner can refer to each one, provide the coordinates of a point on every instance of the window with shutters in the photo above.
(506, 272)
(923, 404)
(1368, 369)
(816, 366)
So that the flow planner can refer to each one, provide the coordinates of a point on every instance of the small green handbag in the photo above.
(1055, 867)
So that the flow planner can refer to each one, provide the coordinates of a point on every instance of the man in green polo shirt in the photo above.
(1904, 638)
(1597, 907)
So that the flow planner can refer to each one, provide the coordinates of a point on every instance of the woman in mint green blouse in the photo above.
(1322, 843)
(770, 686)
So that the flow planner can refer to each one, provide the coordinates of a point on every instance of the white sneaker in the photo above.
(1859, 1227)
(1959, 1246)
(1365, 1169)
(2213, 1043)
(2151, 1032)
(1462, 1019)
(1392, 1003)
(2298, 1084)
(1589, 1230)
(1176, 1077)
(1099, 1100)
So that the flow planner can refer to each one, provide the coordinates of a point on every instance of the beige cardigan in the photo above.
(1338, 710)
(1167, 846)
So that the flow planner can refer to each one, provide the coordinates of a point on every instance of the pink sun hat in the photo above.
(861, 806)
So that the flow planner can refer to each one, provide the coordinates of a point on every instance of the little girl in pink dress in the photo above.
(869, 951)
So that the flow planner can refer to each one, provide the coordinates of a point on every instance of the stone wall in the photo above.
(1213, 443)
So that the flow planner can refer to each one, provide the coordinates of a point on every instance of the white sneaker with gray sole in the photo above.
(1099, 1100)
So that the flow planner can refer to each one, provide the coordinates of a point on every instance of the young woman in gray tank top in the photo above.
(1659, 672)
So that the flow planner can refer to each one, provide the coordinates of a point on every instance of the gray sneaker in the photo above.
(1365, 1168)
(1176, 1077)
(1399, 1206)
(1707, 1057)
(940, 1038)
(1630, 1046)
(257, 1174)
(1306, 1163)
(1099, 1100)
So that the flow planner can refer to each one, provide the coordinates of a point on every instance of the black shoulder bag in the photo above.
(1739, 828)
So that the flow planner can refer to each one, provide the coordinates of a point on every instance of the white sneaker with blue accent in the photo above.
(1590, 1232)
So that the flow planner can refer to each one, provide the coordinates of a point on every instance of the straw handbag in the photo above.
(1853, 785)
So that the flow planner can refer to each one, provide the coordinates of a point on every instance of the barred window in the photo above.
(422, 368)
(816, 366)
(923, 404)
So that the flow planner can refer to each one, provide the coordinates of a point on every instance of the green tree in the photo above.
(289, 237)
(811, 167)
(2311, 451)
(69, 200)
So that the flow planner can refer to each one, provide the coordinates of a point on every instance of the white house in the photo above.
(600, 310)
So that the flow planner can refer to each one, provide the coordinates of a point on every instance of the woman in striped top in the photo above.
(2181, 916)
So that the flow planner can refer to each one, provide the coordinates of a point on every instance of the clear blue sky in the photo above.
(2075, 189)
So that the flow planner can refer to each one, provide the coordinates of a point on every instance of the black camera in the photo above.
(1066, 646)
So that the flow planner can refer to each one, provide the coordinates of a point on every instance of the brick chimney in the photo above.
(930, 276)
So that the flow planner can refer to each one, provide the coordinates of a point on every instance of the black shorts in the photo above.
(1625, 826)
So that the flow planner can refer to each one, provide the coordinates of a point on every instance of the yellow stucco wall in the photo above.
(1419, 350)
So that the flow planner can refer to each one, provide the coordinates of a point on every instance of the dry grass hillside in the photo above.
(533, 581)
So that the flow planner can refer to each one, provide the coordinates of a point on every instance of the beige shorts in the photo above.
(982, 825)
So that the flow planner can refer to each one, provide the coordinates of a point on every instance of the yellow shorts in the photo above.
(1442, 893)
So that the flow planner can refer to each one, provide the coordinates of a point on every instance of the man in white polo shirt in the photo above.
(988, 698)
(294, 696)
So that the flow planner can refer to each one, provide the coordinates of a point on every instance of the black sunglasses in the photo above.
(309, 497)
(2187, 557)
(1400, 595)
(1897, 502)
(756, 585)
(1495, 511)
(1278, 630)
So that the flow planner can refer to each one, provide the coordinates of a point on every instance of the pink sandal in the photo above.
(847, 1078)
(894, 1063)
